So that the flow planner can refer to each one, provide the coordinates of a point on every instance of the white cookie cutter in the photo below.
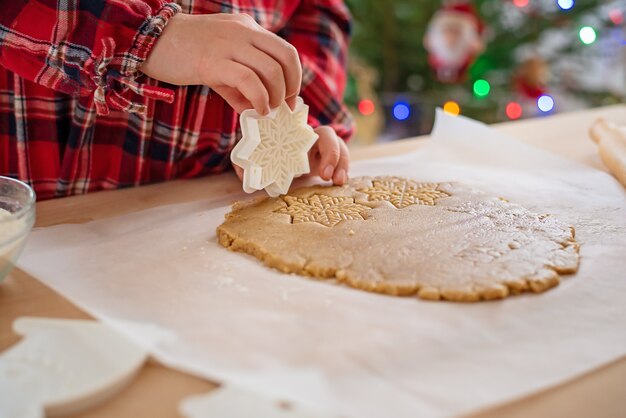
(274, 149)
(64, 366)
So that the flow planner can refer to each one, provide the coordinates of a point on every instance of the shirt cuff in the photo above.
(117, 89)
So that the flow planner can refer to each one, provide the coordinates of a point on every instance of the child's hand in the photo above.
(329, 158)
(248, 66)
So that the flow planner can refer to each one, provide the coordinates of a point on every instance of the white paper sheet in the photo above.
(350, 353)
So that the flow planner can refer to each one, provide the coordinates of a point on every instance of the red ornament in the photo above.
(454, 39)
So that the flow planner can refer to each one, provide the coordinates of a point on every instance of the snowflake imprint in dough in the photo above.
(402, 193)
(274, 149)
(326, 210)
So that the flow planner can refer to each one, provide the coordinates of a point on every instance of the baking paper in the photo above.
(350, 353)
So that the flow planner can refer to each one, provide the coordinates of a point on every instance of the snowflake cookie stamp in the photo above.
(274, 149)
(325, 210)
(403, 192)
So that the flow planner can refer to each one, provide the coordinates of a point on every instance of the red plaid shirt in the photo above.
(77, 115)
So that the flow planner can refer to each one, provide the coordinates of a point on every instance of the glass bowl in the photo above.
(17, 216)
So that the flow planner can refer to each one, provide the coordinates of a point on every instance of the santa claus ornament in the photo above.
(454, 38)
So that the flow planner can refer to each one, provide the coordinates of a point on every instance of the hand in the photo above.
(249, 66)
(329, 158)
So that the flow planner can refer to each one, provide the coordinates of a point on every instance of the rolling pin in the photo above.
(611, 140)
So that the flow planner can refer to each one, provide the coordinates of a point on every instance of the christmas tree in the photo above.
(523, 58)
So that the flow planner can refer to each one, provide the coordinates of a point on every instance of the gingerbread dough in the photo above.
(400, 237)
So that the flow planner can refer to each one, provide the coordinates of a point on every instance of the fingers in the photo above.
(234, 98)
(287, 56)
(248, 83)
(292, 101)
(328, 148)
(238, 53)
(267, 68)
(283, 84)
(340, 177)
(278, 82)
(334, 158)
(231, 50)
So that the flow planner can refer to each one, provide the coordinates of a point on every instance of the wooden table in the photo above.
(156, 391)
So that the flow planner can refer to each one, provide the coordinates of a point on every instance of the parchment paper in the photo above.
(346, 352)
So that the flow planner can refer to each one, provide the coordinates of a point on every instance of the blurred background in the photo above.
(491, 60)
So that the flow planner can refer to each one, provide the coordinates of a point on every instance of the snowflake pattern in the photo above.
(325, 210)
(274, 149)
(402, 193)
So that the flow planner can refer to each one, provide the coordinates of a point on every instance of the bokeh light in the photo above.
(366, 107)
(520, 3)
(587, 35)
(513, 110)
(616, 16)
(452, 108)
(401, 110)
(565, 4)
(545, 103)
(481, 88)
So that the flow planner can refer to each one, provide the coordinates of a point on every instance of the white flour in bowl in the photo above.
(9, 245)
(8, 229)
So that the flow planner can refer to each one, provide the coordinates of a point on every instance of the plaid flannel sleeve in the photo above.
(85, 47)
(320, 30)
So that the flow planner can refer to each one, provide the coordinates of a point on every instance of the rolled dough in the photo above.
(439, 241)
